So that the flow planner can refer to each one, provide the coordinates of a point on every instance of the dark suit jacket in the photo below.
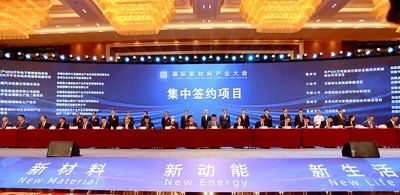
(77, 122)
(268, 121)
(204, 122)
(106, 126)
(225, 122)
(184, 121)
(389, 124)
(323, 124)
(282, 117)
(348, 124)
(164, 121)
(244, 124)
(23, 125)
(130, 126)
(95, 122)
(302, 125)
(246, 120)
(64, 126)
(8, 124)
(297, 119)
(46, 126)
(282, 124)
(88, 126)
(150, 125)
(173, 125)
(194, 124)
(337, 121)
(114, 121)
(258, 124)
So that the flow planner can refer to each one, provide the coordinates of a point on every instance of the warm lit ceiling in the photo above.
(82, 21)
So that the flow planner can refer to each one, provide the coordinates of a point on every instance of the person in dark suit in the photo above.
(351, 122)
(5, 123)
(165, 119)
(268, 118)
(62, 124)
(43, 123)
(127, 124)
(392, 123)
(131, 119)
(340, 118)
(285, 123)
(369, 123)
(328, 123)
(299, 117)
(94, 120)
(147, 123)
(225, 120)
(305, 123)
(77, 120)
(104, 124)
(191, 123)
(172, 123)
(245, 117)
(184, 119)
(284, 115)
(113, 119)
(22, 124)
(145, 113)
(240, 123)
(261, 123)
(205, 119)
(85, 123)
(213, 123)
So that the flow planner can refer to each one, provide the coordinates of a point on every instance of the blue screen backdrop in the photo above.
(360, 86)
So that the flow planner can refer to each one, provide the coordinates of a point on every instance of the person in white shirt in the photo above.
(318, 119)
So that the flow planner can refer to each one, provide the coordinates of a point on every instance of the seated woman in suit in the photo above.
(351, 121)
(240, 123)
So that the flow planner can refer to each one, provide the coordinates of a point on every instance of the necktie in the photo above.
(327, 123)
(301, 118)
(104, 125)
(42, 125)
(3, 126)
(84, 126)
(147, 125)
(214, 124)
(262, 123)
(370, 124)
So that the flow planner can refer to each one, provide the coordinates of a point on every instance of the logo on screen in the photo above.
(163, 75)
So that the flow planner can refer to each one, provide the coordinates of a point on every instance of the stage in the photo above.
(225, 152)
(269, 170)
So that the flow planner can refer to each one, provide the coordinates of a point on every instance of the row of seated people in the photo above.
(170, 123)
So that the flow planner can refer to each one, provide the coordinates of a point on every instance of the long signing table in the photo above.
(287, 138)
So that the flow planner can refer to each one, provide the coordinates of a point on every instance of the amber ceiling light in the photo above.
(19, 18)
(137, 17)
(278, 16)
(381, 10)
